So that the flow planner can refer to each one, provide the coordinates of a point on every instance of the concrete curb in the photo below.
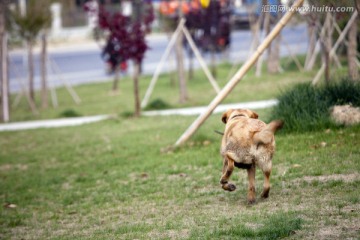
(53, 123)
(219, 109)
(67, 122)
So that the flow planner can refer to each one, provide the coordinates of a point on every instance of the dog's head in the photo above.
(231, 113)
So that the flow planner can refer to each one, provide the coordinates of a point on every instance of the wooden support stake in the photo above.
(161, 63)
(68, 87)
(239, 75)
(23, 92)
(294, 58)
(336, 45)
(201, 60)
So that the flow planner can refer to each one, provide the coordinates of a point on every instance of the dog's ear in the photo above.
(226, 115)
(254, 115)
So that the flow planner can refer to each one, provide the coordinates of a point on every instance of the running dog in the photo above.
(247, 142)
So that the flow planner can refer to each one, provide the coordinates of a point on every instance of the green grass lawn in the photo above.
(112, 179)
(98, 99)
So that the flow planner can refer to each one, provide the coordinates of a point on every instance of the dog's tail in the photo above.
(266, 135)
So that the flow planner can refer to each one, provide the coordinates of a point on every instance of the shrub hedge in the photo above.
(307, 108)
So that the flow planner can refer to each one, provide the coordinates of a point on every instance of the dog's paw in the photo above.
(223, 181)
(265, 193)
(229, 187)
(251, 201)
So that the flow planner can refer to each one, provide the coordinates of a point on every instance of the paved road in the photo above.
(82, 63)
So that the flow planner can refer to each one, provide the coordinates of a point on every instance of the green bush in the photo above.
(157, 104)
(68, 113)
(306, 108)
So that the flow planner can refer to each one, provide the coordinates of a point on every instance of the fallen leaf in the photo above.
(206, 143)
(10, 205)
(144, 175)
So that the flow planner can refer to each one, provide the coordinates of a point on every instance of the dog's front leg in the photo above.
(251, 190)
(228, 168)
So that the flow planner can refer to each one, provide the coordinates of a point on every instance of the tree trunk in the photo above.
(4, 68)
(191, 65)
(116, 79)
(326, 46)
(353, 70)
(357, 6)
(44, 90)
(136, 89)
(312, 43)
(328, 43)
(180, 61)
(180, 69)
(31, 70)
(172, 71)
(267, 29)
(273, 64)
(213, 61)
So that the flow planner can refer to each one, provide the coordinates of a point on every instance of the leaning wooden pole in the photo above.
(162, 62)
(200, 59)
(239, 75)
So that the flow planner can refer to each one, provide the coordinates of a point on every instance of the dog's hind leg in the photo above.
(266, 168)
(266, 190)
(228, 168)
(251, 190)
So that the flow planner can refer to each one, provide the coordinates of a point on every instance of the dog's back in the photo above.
(249, 140)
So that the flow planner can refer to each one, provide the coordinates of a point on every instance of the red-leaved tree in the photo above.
(126, 39)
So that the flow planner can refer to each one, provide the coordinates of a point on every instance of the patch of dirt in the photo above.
(334, 177)
(177, 176)
(170, 234)
(344, 229)
(345, 114)
(7, 167)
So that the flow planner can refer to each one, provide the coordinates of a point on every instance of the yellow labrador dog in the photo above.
(247, 142)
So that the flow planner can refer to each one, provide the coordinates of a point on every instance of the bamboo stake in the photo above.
(51, 83)
(201, 60)
(294, 58)
(239, 75)
(68, 87)
(336, 45)
(333, 27)
(23, 90)
(161, 63)
(309, 64)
